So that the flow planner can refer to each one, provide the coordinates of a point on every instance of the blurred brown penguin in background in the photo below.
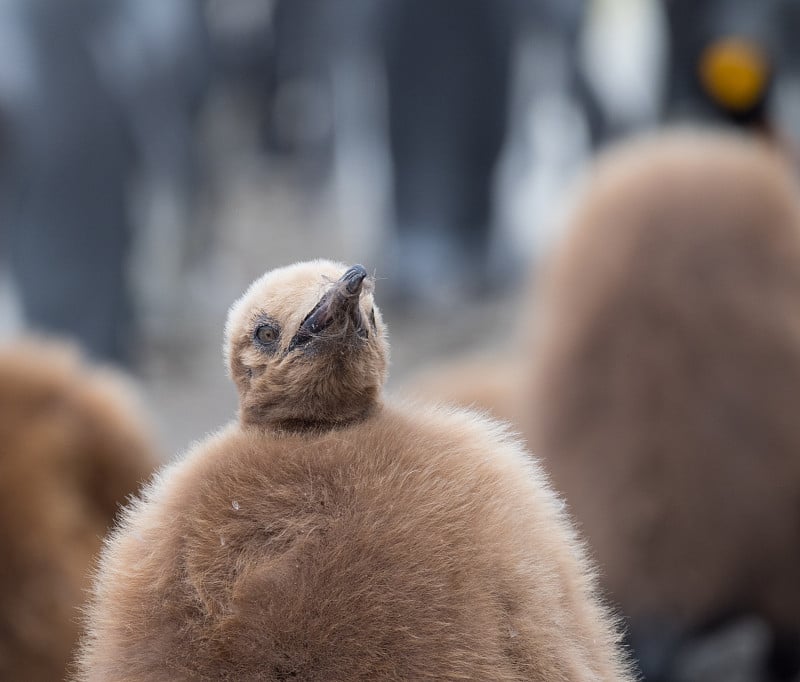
(327, 535)
(659, 380)
(481, 381)
(72, 448)
(665, 382)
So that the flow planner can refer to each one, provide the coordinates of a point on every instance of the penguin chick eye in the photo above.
(266, 334)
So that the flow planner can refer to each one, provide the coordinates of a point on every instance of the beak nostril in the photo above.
(354, 279)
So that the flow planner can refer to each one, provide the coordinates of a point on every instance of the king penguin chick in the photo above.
(72, 447)
(665, 380)
(327, 535)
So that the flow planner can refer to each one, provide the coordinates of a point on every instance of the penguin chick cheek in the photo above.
(328, 341)
(264, 341)
(331, 324)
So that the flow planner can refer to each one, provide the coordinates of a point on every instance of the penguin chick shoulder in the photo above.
(325, 535)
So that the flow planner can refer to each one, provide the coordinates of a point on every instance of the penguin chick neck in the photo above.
(306, 347)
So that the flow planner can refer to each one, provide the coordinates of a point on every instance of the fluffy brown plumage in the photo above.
(328, 536)
(666, 378)
(72, 448)
(663, 378)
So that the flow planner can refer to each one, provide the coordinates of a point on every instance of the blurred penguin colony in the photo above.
(580, 218)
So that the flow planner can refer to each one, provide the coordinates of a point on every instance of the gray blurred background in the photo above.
(158, 155)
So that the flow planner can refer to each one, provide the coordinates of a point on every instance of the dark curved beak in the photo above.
(337, 310)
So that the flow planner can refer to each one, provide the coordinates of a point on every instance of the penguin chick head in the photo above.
(306, 347)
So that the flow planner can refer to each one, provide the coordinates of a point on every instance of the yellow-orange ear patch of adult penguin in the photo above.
(734, 72)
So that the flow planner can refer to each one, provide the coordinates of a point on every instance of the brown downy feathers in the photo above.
(327, 535)
(665, 378)
(72, 449)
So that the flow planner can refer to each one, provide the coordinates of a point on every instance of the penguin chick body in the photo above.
(72, 448)
(665, 379)
(326, 535)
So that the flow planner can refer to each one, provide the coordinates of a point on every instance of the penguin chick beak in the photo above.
(337, 311)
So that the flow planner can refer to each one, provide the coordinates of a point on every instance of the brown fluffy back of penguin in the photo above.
(418, 544)
(666, 379)
(72, 448)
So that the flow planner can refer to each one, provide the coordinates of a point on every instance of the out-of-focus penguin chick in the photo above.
(327, 535)
(484, 381)
(666, 379)
(72, 447)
